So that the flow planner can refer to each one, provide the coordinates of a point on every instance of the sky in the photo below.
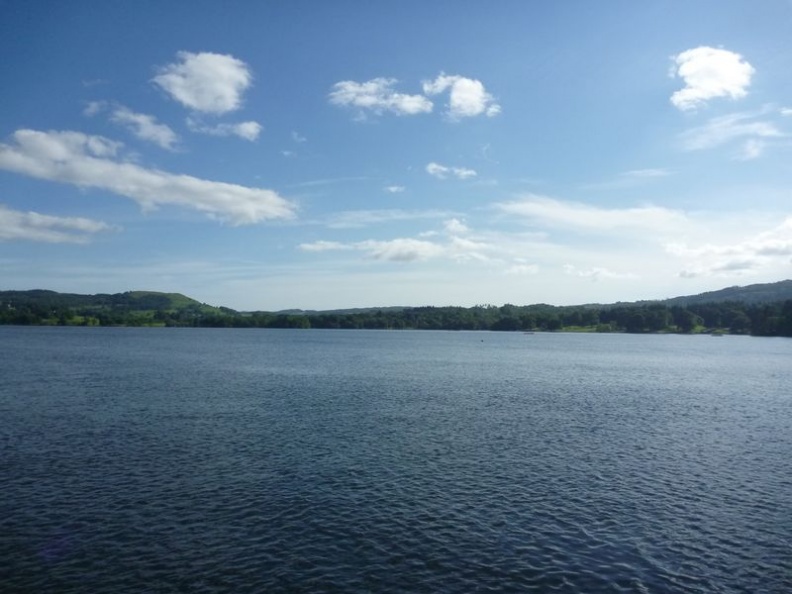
(320, 155)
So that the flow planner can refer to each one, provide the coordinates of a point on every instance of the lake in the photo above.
(202, 460)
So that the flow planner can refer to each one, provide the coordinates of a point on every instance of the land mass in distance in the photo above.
(758, 309)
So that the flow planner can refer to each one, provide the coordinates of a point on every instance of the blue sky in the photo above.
(272, 155)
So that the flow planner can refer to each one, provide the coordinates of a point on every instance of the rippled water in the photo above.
(181, 460)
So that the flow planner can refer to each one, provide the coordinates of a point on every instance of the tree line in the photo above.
(734, 317)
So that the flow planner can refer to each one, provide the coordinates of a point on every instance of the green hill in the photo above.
(750, 294)
(136, 308)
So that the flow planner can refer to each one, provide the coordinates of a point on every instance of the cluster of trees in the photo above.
(763, 319)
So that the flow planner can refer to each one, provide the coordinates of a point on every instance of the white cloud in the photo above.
(245, 130)
(645, 173)
(141, 125)
(520, 267)
(94, 107)
(709, 73)
(324, 246)
(786, 111)
(467, 97)
(442, 171)
(145, 127)
(463, 249)
(88, 162)
(206, 82)
(765, 249)
(557, 213)
(32, 226)
(752, 149)
(401, 250)
(394, 189)
(298, 138)
(596, 273)
(631, 179)
(744, 127)
(363, 218)
(396, 250)
(452, 247)
(378, 96)
(455, 227)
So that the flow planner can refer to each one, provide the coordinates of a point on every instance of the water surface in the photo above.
(202, 460)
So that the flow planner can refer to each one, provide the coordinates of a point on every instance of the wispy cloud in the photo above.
(205, 82)
(143, 126)
(596, 273)
(378, 96)
(94, 107)
(353, 219)
(92, 162)
(32, 226)
(324, 246)
(394, 189)
(395, 250)
(455, 227)
(467, 96)
(545, 211)
(744, 127)
(631, 179)
(245, 130)
(645, 173)
(520, 267)
(710, 73)
(453, 243)
(768, 248)
(443, 172)
(328, 181)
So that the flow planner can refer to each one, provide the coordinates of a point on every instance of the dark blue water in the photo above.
(159, 460)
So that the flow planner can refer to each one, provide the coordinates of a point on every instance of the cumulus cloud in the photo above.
(467, 96)
(762, 250)
(31, 226)
(443, 172)
(377, 96)
(205, 82)
(710, 73)
(744, 127)
(245, 130)
(92, 162)
(557, 213)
